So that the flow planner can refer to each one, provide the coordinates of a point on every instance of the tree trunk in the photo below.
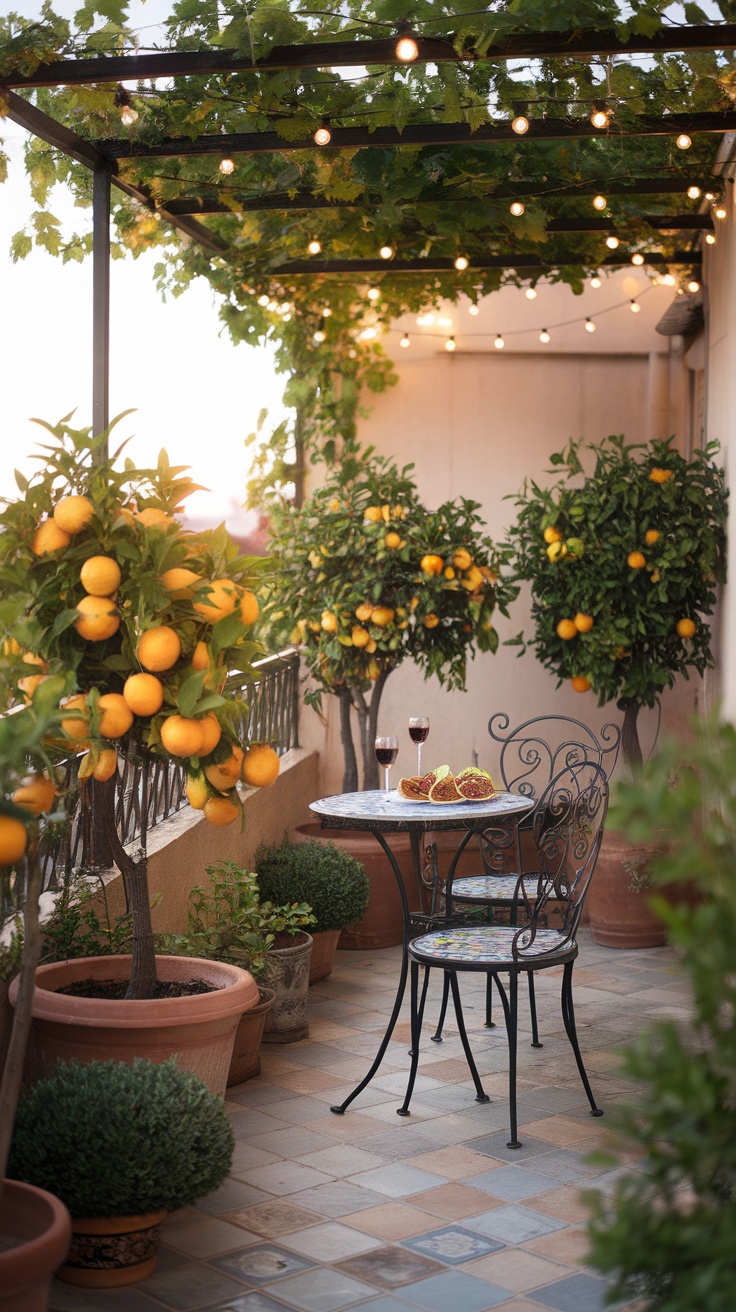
(370, 764)
(135, 879)
(361, 706)
(350, 776)
(23, 1014)
(630, 744)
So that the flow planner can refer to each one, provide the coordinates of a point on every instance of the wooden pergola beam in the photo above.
(344, 54)
(438, 265)
(418, 134)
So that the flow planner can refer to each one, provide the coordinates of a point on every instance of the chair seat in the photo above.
(491, 945)
(494, 888)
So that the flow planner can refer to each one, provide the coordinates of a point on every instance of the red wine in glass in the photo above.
(419, 733)
(387, 749)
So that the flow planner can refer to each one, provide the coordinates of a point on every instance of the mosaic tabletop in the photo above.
(388, 812)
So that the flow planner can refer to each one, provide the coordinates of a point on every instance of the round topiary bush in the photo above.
(330, 880)
(116, 1140)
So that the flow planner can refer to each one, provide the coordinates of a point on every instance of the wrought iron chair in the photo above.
(567, 829)
(531, 755)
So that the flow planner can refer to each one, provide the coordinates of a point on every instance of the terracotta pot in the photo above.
(37, 1228)
(287, 973)
(246, 1059)
(382, 925)
(200, 1030)
(619, 916)
(110, 1251)
(324, 947)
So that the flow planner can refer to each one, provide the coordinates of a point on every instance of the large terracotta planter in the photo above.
(287, 973)
(199, 1030)
(36, 1228)
(382, 924)
(621, 917)
(107, 1252)
(245, 1062)
(324, 947)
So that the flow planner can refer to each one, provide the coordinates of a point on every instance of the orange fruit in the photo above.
(583, 623)
(13, 840)
(100, 575)
(363, 611)
(431, 621)
(360, 636)
(373, 670)
(209, 727)
(200, 657)
(10, 647)
(29, 683)
(449, 572)
(144, 694)
(36, 793)
(180, 583)
(153, 517)
(651, 536)
(49, 537)
(101, 770)
(432, 564)
(333, 504)
(72, 514)
(76, 726)
(552, 535)
(329, 621)
(159, 648)
(218, 601)
(462, 559)
(373, 513)
(249, 608)
(226, 774)
(371, 646)
(686, 628)
(473, 580)
(566, 630)
(98, 619)
(181, 736)
(116, 717)
(635, 560)
(660, 475)
(220, 811)
(381, 616)
(556, 550)
(261, 766)
(30, 658)
(197, 791)
(580, 683)
(392, 540)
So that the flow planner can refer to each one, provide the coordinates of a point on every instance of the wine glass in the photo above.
(419, 733)
(387, 750)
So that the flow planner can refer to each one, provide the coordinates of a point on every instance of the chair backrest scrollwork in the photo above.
(536, 751)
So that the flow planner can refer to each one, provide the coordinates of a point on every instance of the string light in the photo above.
(634, 306)
(368, 334)
(473, 309)
(668, 279)
(589, 326)
(352, 353)
(404, 341)
(595, 281)
(374, 293)
(128, 115)
(720, 211)
(693, 192)
(227, 165)
(683, 142)
(637, 258)
(314, 246)
(461, 263)
(387, 252)
(520, 124)
(710, 237)
(599, 202)
(498, 342)
(325, 313)
(600, 115)
(407, 49)
(517, 208)
(544, 336)
(612, 243)
(322, 136)
(710, 195)
(693, 286)
(320, 335)
(425, 320)
(450, 344)
(263, 300)
(531, 293)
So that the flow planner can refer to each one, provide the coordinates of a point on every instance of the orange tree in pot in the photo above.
(99, 578)
(623, 560)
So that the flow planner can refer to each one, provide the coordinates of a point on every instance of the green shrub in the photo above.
(330, 880)
(116, 1140)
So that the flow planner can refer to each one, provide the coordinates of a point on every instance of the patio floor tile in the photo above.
(259, 1264)
(513, 1224)
(390, 1267)
(273, 1219)
(191, 1287)
(453, 1289)
(452, 1201)
(394, 1221)
(286, 1177)
(337, 1198)
(323, 1290)
(201, 1236)
(513, 1183)
(397, 1181)
(331, 1242)
(516, 1270)
(570, 1246)
(577, 1293)
(452, 1244)
(452, 1163)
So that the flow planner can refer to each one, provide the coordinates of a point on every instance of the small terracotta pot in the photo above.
(38, 1227)
(107, 1252)
(382, 924)
(287, 973)
(621, 917)
(245, 1062)
(324, 947)
(199, 1030)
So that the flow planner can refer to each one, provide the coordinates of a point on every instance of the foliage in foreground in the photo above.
(669, 1235)
(116, 1140)
(330, 880)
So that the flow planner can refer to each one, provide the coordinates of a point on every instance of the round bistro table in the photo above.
(382, 813)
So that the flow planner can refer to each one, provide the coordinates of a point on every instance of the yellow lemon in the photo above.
(180, 583)
(373, 514)
(392, 540)
(329, 621)
(363, 611)
(360, 636)
(552, 535)
(197, 791)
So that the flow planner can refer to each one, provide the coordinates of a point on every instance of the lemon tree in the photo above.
(623, 562)
(367, 577)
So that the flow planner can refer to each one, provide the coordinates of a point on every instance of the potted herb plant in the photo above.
(623, 561)
(228, 922)
(122, 1145)
(329, 879)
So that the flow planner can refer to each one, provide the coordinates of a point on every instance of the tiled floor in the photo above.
(378, 1213)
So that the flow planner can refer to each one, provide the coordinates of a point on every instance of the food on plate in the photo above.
(474, 785)
(416, 789)
(444, 790)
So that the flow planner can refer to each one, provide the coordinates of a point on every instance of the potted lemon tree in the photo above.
(624, 553)
(100, 579)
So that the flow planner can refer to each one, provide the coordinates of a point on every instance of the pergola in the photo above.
(110, 159)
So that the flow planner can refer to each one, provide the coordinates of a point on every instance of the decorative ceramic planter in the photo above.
(620, 916)
(107, 1252)
(287, 973)
(37, 1228)
(324, 947)
(382, 924)
(199, 1030)
(245, 1062)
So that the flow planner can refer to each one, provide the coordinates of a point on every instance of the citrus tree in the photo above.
(366, 576)
(99, 579)
(623, 564)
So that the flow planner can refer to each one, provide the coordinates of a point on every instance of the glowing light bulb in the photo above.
(720, 211)
(461, 263)
(425, 320)
(450, 344)
(314, 246)
(474, 310)
(323, 136)
(404, 341)
(544, 336)
(634, 306)
(683, 142)
(128, 115)
(595, 281)
(272, 306)
(612, 243)
(320, 335)
(407, 49)
(710, 237)
(326, 312)
(263, 300)
(517, 208)
(374, 293)
(599, 118)
(637, 258)
(693, 192)
(693, 286)
(531, 293)
(668, 279)
(498, 342)
(287, 317)
(589, 326)
(227, 166)
(368, 334)
(386, 252)
(520, 124)
(710, 195)
(599, 202)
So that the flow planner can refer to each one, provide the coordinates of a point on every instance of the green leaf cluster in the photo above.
(330, 880)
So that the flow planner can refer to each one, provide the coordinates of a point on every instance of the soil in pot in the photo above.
(116, 989)
(245, 1062)
(109, 1252)
(287, 973)
(35, 1229)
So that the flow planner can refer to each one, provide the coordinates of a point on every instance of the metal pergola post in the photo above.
(101, 189)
